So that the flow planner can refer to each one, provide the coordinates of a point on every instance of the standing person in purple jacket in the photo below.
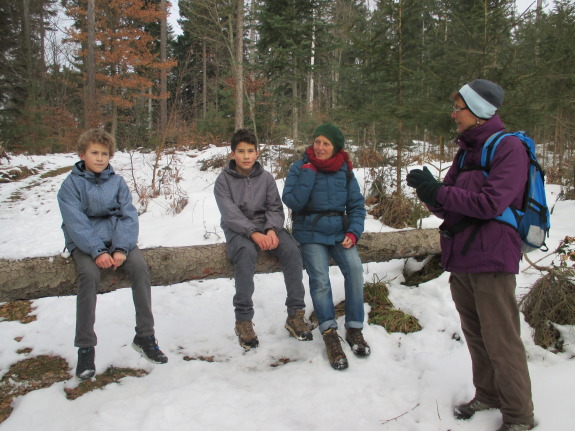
(483, 255)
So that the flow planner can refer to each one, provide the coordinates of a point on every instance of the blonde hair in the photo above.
(97, 136)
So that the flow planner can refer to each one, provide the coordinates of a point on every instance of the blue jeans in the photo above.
(316, 262)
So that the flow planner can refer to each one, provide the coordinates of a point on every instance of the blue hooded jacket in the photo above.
(312, 192)
(97, 212)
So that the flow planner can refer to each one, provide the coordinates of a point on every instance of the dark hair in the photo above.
(96, 136)
(243, 135)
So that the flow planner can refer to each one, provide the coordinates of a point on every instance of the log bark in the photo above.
(33, 278)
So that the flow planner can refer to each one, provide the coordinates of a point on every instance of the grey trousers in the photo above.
(243, 253)
(88, 281)
(490, 321)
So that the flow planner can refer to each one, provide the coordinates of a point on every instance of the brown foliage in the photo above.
(431, 270)
(382, 312)
(29, 375)
(397, 210)
(17, 310)
(111, 375)
(550, 301)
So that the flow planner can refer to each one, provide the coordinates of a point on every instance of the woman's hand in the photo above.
(348, 241)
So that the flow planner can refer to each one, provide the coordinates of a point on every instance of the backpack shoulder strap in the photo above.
(489, 149)
(486, 154)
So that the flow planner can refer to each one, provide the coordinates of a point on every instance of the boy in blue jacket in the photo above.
(253, 220)
(100, 227)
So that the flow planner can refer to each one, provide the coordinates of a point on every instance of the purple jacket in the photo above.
(496, 247)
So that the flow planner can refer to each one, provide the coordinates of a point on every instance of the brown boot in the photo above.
(335, 354)
(355, 339)
(298, 327)
(246, 335)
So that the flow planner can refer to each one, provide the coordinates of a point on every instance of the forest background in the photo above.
(382, 70)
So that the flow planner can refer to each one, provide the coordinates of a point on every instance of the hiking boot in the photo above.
(298, 327)
(507, 426)
(246, 335)
(335, 354)
(148, 347)
(86, 369)
(467, 410)
(358, 345)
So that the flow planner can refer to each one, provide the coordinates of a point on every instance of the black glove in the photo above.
(418, 176)
(427, 192)
(425, 185)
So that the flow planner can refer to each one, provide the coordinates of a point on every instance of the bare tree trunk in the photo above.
(399, 146)
(239, 66)
(204, 80)
(163, 71)
(90, 108)
(55, 276)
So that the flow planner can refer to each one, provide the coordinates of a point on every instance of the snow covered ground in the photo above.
(410, 382)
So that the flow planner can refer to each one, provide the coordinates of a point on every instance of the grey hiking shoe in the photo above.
(85, 369)
(335, 354)
(358, 345)
(516, 427)
(246, 335)
(467, 410)
(298, 327)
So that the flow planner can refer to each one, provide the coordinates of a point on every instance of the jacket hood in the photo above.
(79, 169)
(230, 169)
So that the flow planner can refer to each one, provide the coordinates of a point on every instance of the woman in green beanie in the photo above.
(328, 220)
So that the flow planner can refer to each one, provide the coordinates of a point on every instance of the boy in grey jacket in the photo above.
(252, 220)
(100, 227)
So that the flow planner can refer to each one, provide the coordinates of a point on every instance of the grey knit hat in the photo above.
(482, 97)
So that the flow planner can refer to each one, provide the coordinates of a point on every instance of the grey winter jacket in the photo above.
(97, 212)
(248, 204)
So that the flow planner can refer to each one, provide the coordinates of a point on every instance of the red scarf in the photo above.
(332, 164)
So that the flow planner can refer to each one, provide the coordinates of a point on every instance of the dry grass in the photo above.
(56, 172)
(398, 211)
(550, 301)
(382, 312)
(17, 310)
(29, 375)
(111, 375)
(431, 270)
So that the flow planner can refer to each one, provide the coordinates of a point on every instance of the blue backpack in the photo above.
(532, 220)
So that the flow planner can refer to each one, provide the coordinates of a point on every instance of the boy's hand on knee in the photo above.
(119, 258)
(261, 240)
(274, 240)
(104, 261)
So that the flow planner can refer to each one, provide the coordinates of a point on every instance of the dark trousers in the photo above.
(88, 282)
(490, 321)
(243, 253)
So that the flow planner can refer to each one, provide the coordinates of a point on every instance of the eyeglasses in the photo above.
(456, 109)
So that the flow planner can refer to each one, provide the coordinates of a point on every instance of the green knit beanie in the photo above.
(332, 133)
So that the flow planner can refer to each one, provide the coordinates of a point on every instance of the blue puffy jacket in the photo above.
(97, 212)
(309, 194)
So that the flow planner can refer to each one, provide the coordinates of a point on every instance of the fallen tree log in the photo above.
(56, 276)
